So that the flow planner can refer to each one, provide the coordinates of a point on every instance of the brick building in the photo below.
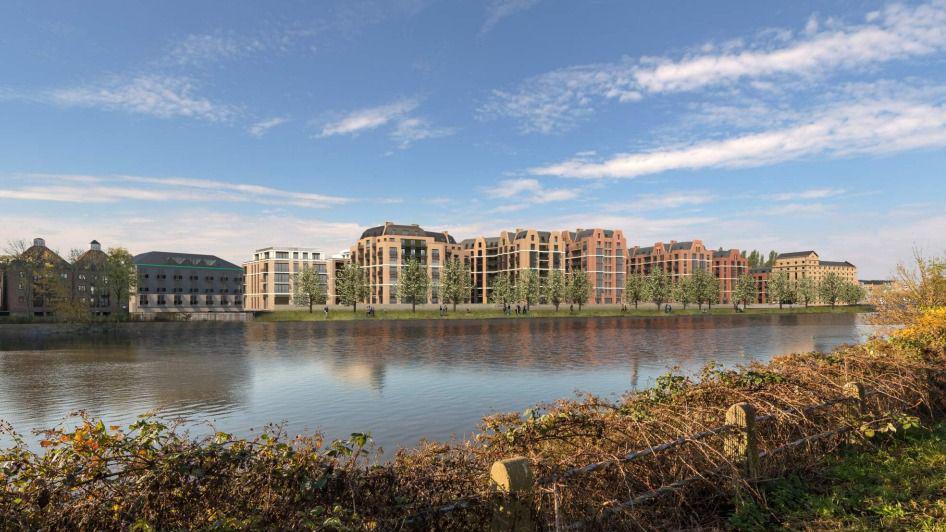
(728, 267)
(600, 253)
(186, 283)
(382, 252)
(676, 258)
(268, 277)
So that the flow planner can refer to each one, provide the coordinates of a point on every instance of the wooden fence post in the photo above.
(512, 477)
(855, 391)
(742, 445)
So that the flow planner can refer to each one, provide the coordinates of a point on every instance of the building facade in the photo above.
(90, 282)
(676, 258)
(601, 253)
(186, 283)
(761, 276)
(807, 264)
(728, 267)
(383, 251)
(268, 277)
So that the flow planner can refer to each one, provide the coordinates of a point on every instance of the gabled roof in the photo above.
(681, 245)
(763, 269)
(406, 230)
(184, 260)
(795, 254)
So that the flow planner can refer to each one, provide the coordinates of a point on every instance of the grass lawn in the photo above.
(425, 314)
(898, 485)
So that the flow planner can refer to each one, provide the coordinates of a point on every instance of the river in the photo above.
(400, 380)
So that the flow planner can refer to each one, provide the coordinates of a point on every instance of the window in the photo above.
(178, 300)
(209, 278)
(194, 300)
(282, 278)
(161, 300)
(142, 300)
(295, 255)
(282, 267)
(282, 254)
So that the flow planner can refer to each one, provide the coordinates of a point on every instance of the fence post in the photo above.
(855, 390)
(742, 446)
(513, 478)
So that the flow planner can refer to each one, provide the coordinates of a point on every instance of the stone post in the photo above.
(513, 478)
(741, 445)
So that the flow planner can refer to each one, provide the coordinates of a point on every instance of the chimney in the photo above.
(39, 242)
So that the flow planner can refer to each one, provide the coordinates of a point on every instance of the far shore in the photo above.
(479, 313)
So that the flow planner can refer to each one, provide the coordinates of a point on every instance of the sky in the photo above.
(222, 127)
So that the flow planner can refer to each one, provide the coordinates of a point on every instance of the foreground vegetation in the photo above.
(496, 313)
(896, 484)
(153, 475)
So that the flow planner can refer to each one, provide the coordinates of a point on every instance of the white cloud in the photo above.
(529, 191)
(111, 189)
(410, 130)
(670, 200)
(559, 99)
(861, 127)
(496, 10)
(260, 128)
(196, 49)
(368, 119)
(813, 193)
(160, 96)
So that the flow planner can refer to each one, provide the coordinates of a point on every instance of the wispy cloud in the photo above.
(69, 188)
(410, 130)
(559, 99)
(810, 194)
(367, 119)
(669, 200)
(497, 10)
(871, 126)
(260, 128)
(524, 192)
(160, 96)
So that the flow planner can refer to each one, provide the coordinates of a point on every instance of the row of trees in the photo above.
(830, 290)
(527, 288)
(757, 259)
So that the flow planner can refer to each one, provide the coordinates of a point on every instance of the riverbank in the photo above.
(686, 471)
(895, 486)
(338, 314)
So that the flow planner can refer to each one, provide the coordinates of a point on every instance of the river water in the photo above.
(400, 380)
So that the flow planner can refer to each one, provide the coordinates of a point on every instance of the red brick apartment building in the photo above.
(728, 266)
(601, 254)
(676, 258)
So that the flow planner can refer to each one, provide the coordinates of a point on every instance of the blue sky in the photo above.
(219, 127)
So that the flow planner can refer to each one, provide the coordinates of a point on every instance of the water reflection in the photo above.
(400, 380)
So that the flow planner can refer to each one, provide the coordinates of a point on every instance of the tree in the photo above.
(555, 288)
(772, 256)
(683, 292)
(744, 291)
(780, 288)
(634, 288)
(579, 288)
(456, 283)
(831, 288)
(704, 289)
(309, 289)
(657, 287)
(121, 276)
(806, 290)
(413, 283)
(351, 285)
(853, 293)
(502, 292)
(528, 287)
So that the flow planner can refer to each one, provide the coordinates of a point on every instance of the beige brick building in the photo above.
(601, 253)
(269, 275)
(807, 264)
(383, 250)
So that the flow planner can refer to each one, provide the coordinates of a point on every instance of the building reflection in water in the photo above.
(400, 379)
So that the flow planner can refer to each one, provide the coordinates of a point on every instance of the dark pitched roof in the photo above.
(681, 245)
(183, 260)
(879, 282)
(726, 253)
(795, 254)
(764, 269)
(406, 230)
(835, 263)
